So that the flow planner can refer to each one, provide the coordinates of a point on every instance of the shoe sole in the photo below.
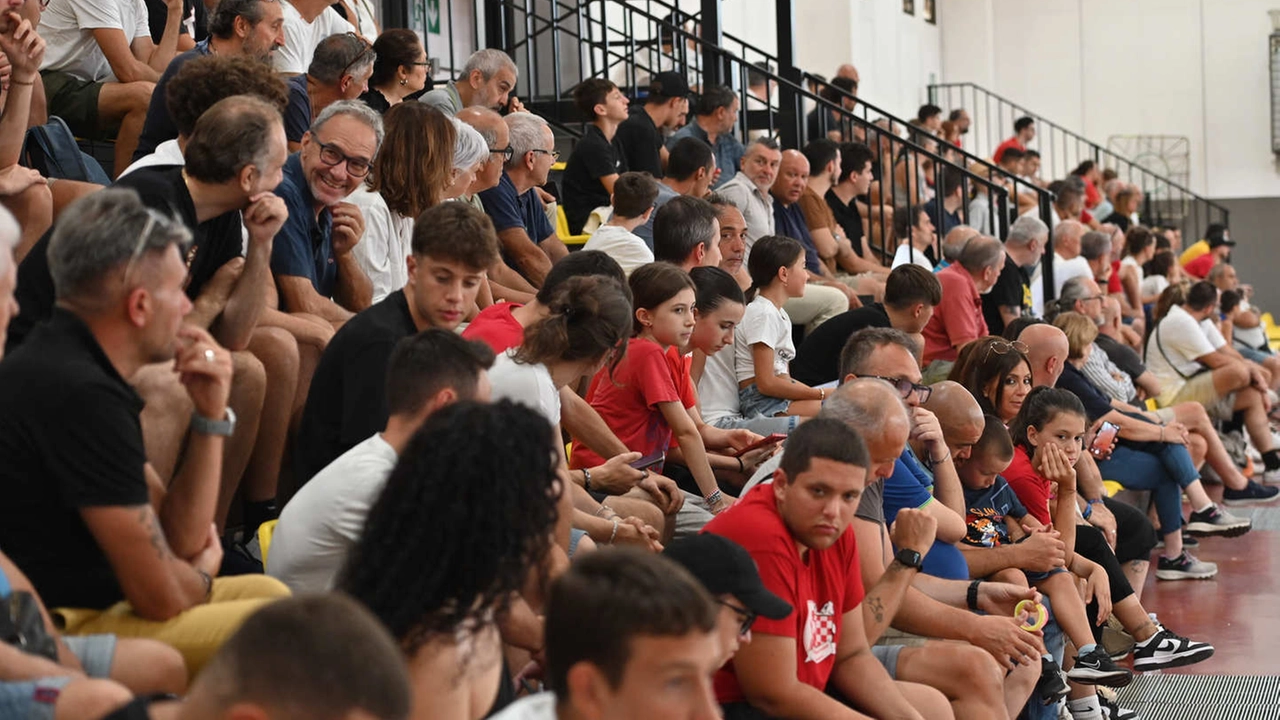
(1203, 529)
(1111, 678)
(1190, 658)
(1237, 502)
(1184, 575)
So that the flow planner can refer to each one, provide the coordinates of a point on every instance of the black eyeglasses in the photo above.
(748, 617)
(333, 156)
(1002, 347)
(905, 387)
(555, 154)
(506, 153)
(366, 49)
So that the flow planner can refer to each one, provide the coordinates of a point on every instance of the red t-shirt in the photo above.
(496, 327)
(1031, 487)
(958, 319)
(1013, 142)
(1200, 267)
(1113, 282)
(628, 401)
(821, 589)
(1091, 195)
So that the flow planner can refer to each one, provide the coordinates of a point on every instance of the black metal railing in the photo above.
(1165, 202)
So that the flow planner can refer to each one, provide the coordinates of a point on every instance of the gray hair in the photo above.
(1025, 229)
(470, 147)
(866, 405)
(222, 21)
(1095, 244)
(335, 56)
(1065, 229)
(980, 253)
(765, 142)
(860, 345)
(102, 232)
(353, 109)
(1074, 289)
(489, 62)
(526, 135)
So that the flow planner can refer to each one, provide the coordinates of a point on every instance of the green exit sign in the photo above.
(433, 16)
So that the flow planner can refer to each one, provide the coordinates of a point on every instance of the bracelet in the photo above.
(19, 82)
(714, 498)
(943, 459)
(1088, 511)
(602, 509)
(741, 468)
(822, 394)
(586, 479)
(971, 598)
(613, 534)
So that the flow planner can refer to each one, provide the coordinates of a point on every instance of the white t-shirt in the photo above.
(1183, 340)
(1154, 285)
(718, 387)
(326, 517)
(765, 323)
(387, 241)
(67, 28)
(527, 384)
(166, 153)
(1133, 262)
(1064, 270)
(534, 707)
(904, 256)
(622, 245)
(301, 37)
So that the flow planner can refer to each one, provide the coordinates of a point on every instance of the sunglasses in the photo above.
(365, 49)
(1002, 347)
(748, 617)
(905, 387)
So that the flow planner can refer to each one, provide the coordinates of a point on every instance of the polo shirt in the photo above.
(215, 242)
(508, 210)
(640, 142)
(848, 217)
(943, 221)
(727, 148)
(1012, 289)
(71, 439)
(957, 320)
(593, 157)
(297, 114)
(304, 245)
(756, 206)
(645, 231)
(818, 359)
(445, 99)
(348, 398)
(789, 221)
(159, 125)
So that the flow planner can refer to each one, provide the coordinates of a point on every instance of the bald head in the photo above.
(793, 176)
(875, 410)
(496, 134)
(848, 71)
(1066, 238)
(959, 415)
(955, 241)
(1046, 350)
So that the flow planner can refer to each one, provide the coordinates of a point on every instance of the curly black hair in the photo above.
(465, 516)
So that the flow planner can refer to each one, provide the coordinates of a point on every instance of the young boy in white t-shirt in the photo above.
(633, 197)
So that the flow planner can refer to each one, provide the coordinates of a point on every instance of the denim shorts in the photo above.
(752, 402)
(31, 700)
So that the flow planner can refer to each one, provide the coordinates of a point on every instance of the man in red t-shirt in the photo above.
(1219, 252)
(797, 530)
(1024, 131)
(958, 320)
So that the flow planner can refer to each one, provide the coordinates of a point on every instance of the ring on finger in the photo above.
(209, 355)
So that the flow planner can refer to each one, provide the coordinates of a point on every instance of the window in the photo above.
(930, 11)
(909, 7)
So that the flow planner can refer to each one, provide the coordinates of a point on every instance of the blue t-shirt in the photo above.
(508, 210)
(304, 245)
(911, 487)
(297, 114)
(986, 512)
(789, 221)
(727, 149)
(4, 586)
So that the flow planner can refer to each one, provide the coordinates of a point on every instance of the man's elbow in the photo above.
(159, 605)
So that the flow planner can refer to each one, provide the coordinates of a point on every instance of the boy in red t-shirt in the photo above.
(797, 530)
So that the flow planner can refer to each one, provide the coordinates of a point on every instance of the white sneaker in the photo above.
(1271, 476)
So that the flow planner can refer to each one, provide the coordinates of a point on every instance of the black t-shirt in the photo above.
(348, 398)
(1012, 289)
(592, 158)
(376, 100)
(849, 218)
(158, 15)
(159, 126)
(817, 360)
(71, 439)
(1124, 357)
(214, 242)
(640, 143)
(1120, 221)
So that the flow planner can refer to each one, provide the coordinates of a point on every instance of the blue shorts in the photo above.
(1253, 354)
(752, 402)
(31, 700)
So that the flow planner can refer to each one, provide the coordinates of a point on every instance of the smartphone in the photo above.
(776, 437)
(649, 460)
(1104, 440)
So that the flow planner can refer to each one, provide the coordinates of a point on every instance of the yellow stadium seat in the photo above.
(1113, 487)
(1152, 405)
(265, 531)
(562, 229)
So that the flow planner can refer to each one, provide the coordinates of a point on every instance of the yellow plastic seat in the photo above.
(265, 531)
(1113, 487)
(1152, 405)
(562, 229)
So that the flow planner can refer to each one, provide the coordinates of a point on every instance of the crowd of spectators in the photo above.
(321, 338)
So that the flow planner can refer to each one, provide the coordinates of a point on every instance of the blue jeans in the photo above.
(1163, 468)
(1054, 645)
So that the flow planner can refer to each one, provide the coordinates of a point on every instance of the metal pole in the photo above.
(786, 20)
(713, 70)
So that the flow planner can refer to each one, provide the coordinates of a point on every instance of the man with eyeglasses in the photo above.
(314, 269)
(340, 70)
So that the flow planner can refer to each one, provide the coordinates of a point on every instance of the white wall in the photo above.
(1193, 68)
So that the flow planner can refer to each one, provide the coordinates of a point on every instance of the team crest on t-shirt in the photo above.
(820, 632)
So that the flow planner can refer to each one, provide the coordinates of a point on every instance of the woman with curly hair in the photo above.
(463, 525)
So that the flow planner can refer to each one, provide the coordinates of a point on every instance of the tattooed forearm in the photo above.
(877, 608)
(147, 517)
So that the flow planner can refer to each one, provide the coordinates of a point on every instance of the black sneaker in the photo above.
(1251, 494)
(1051, 688)
(1213, 520)
(1167, 649)
(1185, 567)
(1095, 668)
(1112, 711)
(1188, 541)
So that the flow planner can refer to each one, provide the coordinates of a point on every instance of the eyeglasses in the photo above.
(905, 387)
(154, 217)
(1002, 347)
(365, 50)
(1099, 296)
(506, 153)
(555, 154)
(333, 156)
(748, 617)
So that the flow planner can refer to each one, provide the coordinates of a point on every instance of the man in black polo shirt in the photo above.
(640, 138)
(1011, 296)
(596, 161)
(84, 513)
(910, 294)
(453, 245)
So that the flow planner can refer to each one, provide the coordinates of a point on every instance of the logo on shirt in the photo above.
(820, 632)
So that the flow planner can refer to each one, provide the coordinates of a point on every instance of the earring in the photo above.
(404, 81)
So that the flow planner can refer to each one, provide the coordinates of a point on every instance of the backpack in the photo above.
(52, 150)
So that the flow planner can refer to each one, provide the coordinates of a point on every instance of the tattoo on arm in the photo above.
(877, 609)
(158, 543)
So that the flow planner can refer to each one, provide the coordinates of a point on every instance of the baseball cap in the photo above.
(724, 568)
(669, 85)
(1220, 239)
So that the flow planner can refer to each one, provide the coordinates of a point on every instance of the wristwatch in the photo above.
(909, 559)
(205, 426)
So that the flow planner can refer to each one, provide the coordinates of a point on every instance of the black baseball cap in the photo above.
(669, 85)
(724, 568)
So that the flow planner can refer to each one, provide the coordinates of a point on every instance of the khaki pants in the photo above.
(819, 304)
